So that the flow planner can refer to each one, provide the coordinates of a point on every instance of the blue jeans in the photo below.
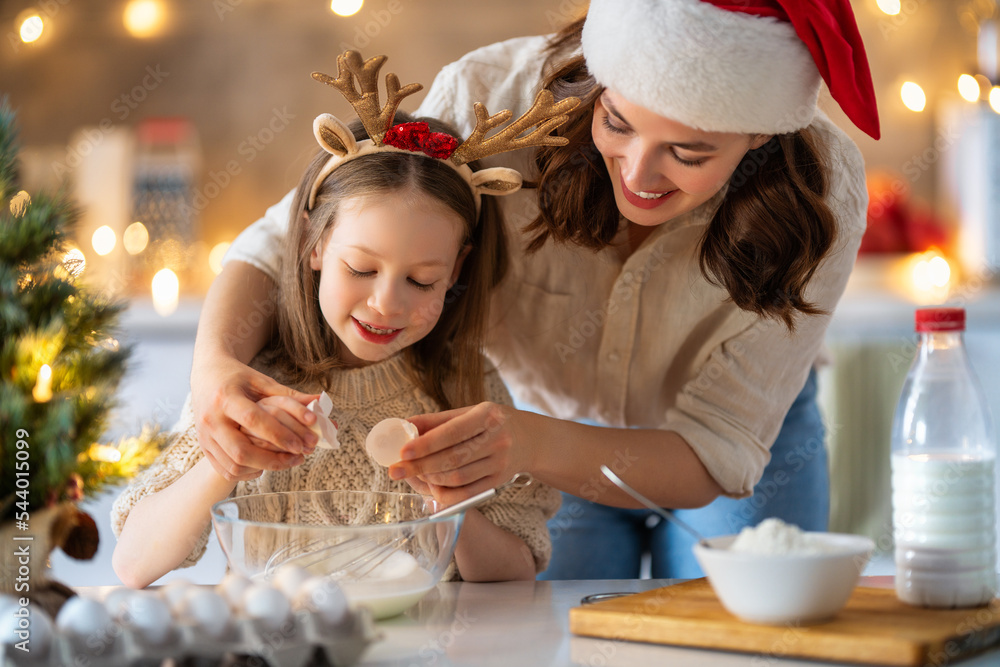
(592, 541)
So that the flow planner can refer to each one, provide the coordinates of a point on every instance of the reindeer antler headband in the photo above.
(544, 116)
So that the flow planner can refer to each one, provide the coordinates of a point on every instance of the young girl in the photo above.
(388, 265)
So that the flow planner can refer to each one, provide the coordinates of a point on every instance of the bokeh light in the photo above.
(19, 204)
(104, 240)
(995, 98)
(913, 96)
(31, 28)
(144, 18)
(136, 238)
(215, 256)
(968, 87)
(166, 289)
(346, 7)
(890, 7)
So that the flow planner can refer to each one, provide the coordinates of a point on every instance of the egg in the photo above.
(288, 578)
(386, 439)
(173, 592)
(148, 615)
(87, 619)
(207, 609)
(116, 600)
(232, 587)
(266, 605)
(24, 624)
(324, 597)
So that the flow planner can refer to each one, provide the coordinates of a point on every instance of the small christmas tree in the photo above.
(60, 366)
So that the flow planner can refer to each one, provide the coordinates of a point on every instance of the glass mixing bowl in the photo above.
(381, 548)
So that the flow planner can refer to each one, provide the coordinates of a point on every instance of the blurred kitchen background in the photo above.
(176, 123)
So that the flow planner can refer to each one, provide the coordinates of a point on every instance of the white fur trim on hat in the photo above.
(705, 67)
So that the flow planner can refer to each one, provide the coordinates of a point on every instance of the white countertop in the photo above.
(525, 624)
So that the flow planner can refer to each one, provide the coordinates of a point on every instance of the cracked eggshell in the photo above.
(386, 439)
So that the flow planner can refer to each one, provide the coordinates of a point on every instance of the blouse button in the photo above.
(614, 357)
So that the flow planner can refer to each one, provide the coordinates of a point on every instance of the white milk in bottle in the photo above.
(943, 459)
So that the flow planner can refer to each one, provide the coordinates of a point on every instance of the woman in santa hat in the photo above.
(673, 275)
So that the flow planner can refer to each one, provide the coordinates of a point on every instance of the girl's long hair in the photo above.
(448, 362)
(764, 242)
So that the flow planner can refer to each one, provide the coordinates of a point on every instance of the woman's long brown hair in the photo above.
(448, 362)
(764, 242)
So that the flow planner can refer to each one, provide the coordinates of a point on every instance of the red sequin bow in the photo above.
(417, 137)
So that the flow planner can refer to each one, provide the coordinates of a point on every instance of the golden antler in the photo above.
(376, 119)
(544, 116)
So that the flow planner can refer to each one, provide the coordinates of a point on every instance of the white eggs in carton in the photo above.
(149, 616)
(284, 626)
(267, 606)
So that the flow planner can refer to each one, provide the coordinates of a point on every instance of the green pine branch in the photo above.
(48, 444)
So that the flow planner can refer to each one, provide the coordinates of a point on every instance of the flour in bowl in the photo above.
(774, 537)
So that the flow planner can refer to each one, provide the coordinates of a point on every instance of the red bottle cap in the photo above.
(940, 319)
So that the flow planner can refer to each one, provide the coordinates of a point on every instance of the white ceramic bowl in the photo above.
(783, 589)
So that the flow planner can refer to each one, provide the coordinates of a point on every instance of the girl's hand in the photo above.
(224, 398)
(464, 451)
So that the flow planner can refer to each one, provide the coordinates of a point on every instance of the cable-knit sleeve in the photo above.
(179, 457)
(525, 511)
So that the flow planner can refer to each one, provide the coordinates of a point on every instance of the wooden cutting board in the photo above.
(874, 627)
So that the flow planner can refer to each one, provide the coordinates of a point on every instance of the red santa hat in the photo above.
(751, 66)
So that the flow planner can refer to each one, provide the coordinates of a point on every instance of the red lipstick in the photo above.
(639, 202)
(373, 337)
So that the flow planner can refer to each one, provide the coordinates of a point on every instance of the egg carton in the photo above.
(304, 640)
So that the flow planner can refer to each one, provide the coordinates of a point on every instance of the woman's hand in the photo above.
(224, 397)
(464, 451)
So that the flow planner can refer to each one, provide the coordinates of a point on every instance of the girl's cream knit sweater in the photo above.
(362, 397)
